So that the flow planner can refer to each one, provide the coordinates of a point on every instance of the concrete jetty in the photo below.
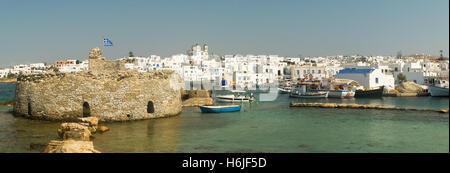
(361, 106)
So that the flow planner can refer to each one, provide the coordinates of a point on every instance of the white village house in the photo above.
(368, 78)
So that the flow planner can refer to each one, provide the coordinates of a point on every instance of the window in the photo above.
(150, 107)
(376, 80)
(304, 71)
(312, 71)
(320, 71)
(298, 72)
(29, 108)
(86, 110)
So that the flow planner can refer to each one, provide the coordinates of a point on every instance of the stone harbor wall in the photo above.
(109, 95)
(104, 66)
(197, 98)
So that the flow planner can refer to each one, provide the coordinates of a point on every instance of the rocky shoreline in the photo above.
(194, 98)
(75, 137)
(13, 80)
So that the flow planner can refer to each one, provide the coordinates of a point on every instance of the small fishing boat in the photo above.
(216, 109)
(302, 90)
(370, 93)
(440, 88)
(436, 91)
(234, 98)
(309, 95)
(338, 93)
(230, 98)
(285, 90)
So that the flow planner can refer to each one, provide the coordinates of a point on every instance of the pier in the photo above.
(361, 106)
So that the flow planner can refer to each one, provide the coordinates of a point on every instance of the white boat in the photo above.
(439, 89)
(232, 98)
(285, 90)
(436, 91)
(309, 95)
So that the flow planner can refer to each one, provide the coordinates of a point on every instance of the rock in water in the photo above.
(74, 131)
(70, 146)
(102, 129)
(90, 122)
(409, 87)
(93, 121)
(207, 101)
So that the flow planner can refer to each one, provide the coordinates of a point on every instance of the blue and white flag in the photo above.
(107, 42)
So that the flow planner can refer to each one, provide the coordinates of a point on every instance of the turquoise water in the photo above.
(261, 127)
(6, 92)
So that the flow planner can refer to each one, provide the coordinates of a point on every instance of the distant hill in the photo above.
(428, 57)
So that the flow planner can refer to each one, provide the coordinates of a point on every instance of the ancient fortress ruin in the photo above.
(107, 91)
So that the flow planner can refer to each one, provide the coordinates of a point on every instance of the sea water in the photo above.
(260, 127)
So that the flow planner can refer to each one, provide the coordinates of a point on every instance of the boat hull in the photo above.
(232, 99)
(325, 95)
(438, 91)
(283, 91)
(337, 93)
(217, 109)
(375, 93)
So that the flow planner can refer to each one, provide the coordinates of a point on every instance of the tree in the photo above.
(11, 75)
(401, 77)
(130, 54)
(78, 62)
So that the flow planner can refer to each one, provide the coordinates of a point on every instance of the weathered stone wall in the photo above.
(107, 91)
(102, 66)
(116, 96)
(199, 93)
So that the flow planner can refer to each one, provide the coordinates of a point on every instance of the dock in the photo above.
(361, 106)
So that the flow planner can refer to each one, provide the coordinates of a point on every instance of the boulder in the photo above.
(93, 121)
(102, 129)
(70, 146)
(204, 101)
(90, 122)
(409, 87)
(74, 131)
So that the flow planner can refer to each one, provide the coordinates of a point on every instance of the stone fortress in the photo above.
(107, 91)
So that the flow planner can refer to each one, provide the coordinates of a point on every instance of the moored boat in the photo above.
(309, 95)
(338, 93)
(217, 109)
(233, 98)
(285, 90)
(439, 88)
(370, 93)
(436, 91)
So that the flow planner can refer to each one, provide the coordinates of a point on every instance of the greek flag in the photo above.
(107, 42)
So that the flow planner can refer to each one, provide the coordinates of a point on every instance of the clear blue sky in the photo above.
(36, 31)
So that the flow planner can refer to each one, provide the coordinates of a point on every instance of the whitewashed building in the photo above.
(368, 78)
(4, 72)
